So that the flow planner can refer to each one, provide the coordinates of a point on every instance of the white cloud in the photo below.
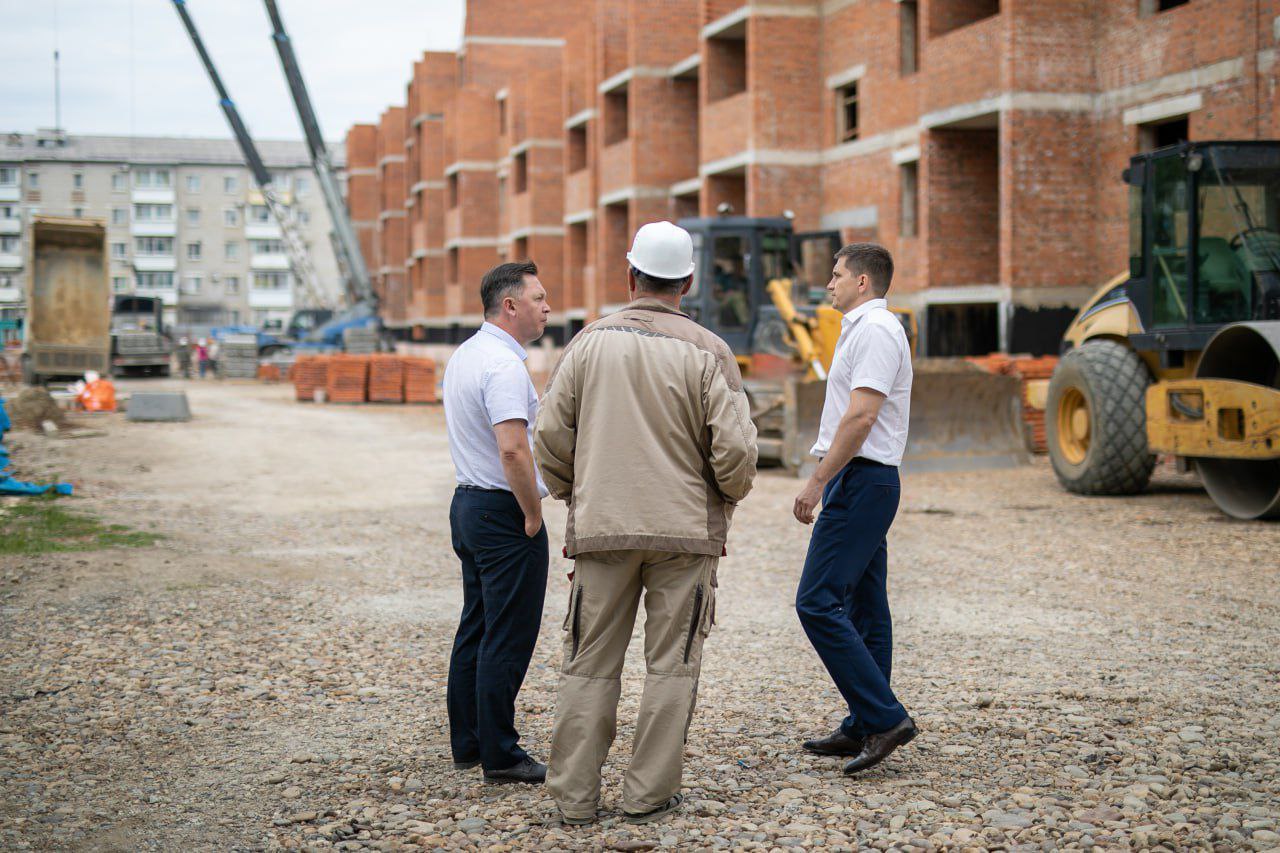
(129, 67)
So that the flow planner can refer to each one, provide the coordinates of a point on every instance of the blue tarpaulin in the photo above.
(10, 486)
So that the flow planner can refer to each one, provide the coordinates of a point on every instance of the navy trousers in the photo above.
(504, 581)
(843, 601)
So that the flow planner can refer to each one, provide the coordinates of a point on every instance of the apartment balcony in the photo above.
(11, 262)
(12, 225)
(154, 229)
(577, 192)
(155, 263)
(10, 295)
(282, 298)
(11, 193)
(262, 231)
(725, 126)
(520, 212)
(165, 196)
(615, 167)
(167, 295)
(269, 262)
(952, 77)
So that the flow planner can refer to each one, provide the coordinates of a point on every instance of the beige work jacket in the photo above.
(646, 433)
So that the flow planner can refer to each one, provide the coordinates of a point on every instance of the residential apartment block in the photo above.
(185, 221)
(982, 141)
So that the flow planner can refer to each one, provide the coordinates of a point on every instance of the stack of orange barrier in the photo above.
(419, 380)
(269, 372)
(309, 373)
(348, 378)
(1027, 369)
(386, 379)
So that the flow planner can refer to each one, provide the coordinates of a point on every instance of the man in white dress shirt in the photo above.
(842, 598)
(495, 520)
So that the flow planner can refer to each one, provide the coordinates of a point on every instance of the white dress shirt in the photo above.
(486, 383)
(872, 352)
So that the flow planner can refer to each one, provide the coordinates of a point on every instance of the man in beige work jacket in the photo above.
(646, 433)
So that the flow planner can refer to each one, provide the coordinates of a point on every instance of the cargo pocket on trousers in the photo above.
(573, 619)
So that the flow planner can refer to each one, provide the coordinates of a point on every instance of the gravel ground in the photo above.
(1085, 672)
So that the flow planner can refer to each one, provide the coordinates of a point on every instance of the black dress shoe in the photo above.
(528, 771)
(836, 743)
(878, 746)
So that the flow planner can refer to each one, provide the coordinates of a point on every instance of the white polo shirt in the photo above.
(872, 352)
(486, 383)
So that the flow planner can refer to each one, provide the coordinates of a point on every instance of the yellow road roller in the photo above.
(1181, 355)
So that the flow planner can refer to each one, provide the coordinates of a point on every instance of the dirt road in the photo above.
(271, 674)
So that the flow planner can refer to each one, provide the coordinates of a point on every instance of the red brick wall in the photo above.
(1019, 117)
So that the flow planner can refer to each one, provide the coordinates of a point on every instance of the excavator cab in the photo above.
(737, 257)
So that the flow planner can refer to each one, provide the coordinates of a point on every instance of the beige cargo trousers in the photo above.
(679, 604)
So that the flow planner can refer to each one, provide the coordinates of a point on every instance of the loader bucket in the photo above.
(964, 418)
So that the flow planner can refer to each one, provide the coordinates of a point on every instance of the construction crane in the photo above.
(345, 246)
(299, 259)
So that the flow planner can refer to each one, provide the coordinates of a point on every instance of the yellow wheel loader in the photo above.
(1181, 355)
(762, 288)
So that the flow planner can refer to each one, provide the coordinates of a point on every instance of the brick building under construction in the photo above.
(981, 141)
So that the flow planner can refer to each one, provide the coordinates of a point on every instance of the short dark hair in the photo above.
(652, 284)
(502, 281)
(870, 259)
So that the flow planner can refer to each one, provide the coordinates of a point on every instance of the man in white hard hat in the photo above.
(646, 433)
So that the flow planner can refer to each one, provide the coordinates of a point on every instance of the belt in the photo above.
(864, 462)
(467, 488)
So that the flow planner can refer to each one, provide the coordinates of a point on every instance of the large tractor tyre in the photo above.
(1096, 420)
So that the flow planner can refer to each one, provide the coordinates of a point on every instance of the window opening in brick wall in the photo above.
(452, 271)
(577, 148)
(948, 15)
(575, 273)
(965, 329)
(1164, 133)
(909, 183)
(453, 190)
(520, 248)
(847, 112)
(909, 33)
(502, 116)
(520, 168)
(726, 67)
(616, 127)
(1152, 7)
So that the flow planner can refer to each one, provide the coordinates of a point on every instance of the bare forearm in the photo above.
(518, 466)
(850, 435)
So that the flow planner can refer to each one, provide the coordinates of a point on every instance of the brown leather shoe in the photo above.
(836, 743)
(878, 746)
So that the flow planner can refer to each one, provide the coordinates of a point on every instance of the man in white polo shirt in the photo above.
(842, 598)
(495, 520)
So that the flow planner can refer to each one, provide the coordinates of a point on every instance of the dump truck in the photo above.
(138, 341)
(68, 323)
(761, 287)
(1180, 355)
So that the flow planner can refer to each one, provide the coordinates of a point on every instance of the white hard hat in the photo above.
(662, 250)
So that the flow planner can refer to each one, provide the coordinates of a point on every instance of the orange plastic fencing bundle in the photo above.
(386, 379)
(98, 396)
(419, 380)
(348, 378)
(309, 373)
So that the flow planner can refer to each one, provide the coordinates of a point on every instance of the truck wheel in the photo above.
(29, 373)
(1096, 420)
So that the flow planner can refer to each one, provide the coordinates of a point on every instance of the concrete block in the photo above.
(159, 406)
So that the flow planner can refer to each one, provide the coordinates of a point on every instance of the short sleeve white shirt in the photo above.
(486, 383)
(872, 352)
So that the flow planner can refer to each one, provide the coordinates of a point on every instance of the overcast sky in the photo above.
(128, 66)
